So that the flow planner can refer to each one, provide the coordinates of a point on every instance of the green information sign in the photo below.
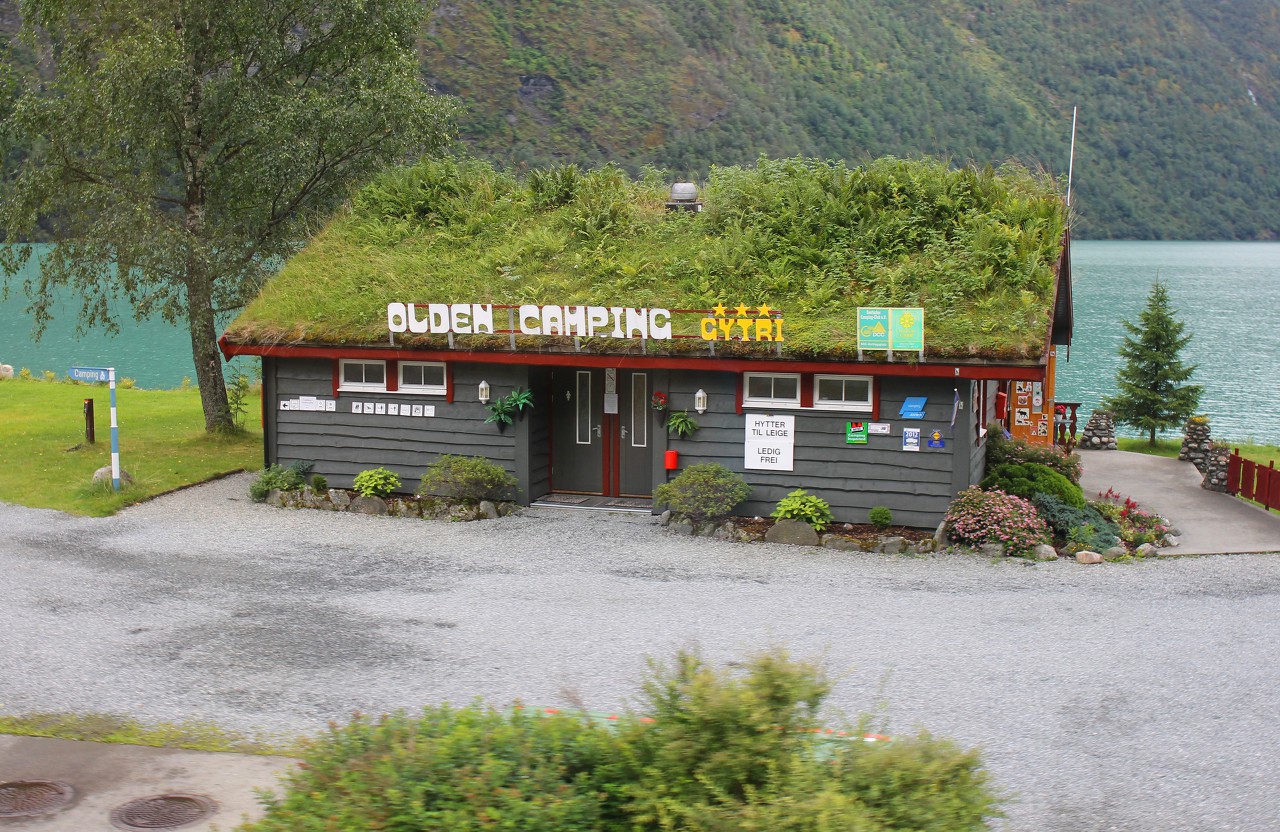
(855, 433)
(873, 328)
(906, 329)
(891, 328)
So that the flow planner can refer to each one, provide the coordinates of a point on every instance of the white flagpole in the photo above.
(1072, 159)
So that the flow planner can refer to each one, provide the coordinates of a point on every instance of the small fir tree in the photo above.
(1152, 394)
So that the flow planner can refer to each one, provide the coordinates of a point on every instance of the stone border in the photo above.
(425, 508)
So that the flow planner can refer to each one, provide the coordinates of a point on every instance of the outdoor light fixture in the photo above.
(484, 392)
(700, 401)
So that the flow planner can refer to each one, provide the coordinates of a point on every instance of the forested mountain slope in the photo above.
(1179, 99)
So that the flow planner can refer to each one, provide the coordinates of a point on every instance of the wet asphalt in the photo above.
(1116, 697)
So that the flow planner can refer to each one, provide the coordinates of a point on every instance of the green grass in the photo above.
(163, 444)
(1170, 448)
(112, 728)
(976, 248)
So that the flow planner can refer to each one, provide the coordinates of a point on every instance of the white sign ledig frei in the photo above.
(771, 442)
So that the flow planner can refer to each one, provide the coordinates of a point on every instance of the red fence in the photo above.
(1253, 481)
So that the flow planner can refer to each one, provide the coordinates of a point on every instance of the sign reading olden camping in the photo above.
(723, 323)
(890, 328)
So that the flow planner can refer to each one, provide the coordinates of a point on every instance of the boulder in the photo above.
(793, 532)
(488, 510)
(103, 476)
(339, 497)
(1044, 552)
(992, 550)
(368, 505)
(1115, 552)
(665, 518)
(1169, 541)
(940, 536)
(1146, 550)
(892, 545)
(682, 526)
(924, 547)
(6, 371)
(508, 508)
(840, 544)
(1086, 556)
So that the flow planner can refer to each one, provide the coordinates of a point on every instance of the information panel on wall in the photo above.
(771, 442)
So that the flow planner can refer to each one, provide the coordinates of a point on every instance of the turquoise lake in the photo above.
(1228, 294)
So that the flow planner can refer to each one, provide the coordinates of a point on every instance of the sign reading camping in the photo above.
(890, 328)
(723, 323)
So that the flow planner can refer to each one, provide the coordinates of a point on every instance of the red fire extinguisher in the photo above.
(672, 460)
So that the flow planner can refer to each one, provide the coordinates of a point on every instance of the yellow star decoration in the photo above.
(719, 310)
(741, 310)
(764, 311)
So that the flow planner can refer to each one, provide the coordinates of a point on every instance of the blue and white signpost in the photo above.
(107, 374)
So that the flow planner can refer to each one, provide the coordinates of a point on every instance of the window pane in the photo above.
(352, 373)
(759, 387)
(857, 390)
(432, 374)
(411, 374)
(639, 410)
(830, 390)
(373, 373)
(582, 408)
(786, 388)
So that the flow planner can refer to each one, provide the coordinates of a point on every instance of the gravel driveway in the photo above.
(1114, 697)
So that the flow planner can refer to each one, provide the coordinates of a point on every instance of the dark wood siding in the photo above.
(342, 444)
(916, 486)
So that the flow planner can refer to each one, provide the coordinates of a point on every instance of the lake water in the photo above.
(1227, 293)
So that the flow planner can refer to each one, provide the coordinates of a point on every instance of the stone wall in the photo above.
(1196, 444)
(1100, 433)
(1215, 470)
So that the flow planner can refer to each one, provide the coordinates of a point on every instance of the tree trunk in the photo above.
(1152, 440)
(204, 349)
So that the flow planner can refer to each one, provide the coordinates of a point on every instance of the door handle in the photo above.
(624, 431)
(598, 431)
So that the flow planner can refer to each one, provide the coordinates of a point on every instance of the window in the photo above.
(842, 393)
(771, 390)
(422, 377)
(362, 375)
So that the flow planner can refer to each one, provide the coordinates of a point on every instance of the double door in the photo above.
(602, 432)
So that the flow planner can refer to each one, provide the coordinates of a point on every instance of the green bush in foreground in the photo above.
(468, 478)
(1027, 479)
(805, 507)
(721, 751)
(376, 482)
(703, 491)
(1001, 450)
(291, 478)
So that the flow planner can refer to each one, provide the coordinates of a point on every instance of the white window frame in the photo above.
(845, 406)
(440, 389)
(343, 384)
(749, 401)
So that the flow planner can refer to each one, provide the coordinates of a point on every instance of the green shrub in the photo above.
(1086, 528)
(703, 491)
(1001, 451)
(319, 483)
(717, 751)
(805, 507)
(976, 517)
(1026, 479)
(880, 517)
(376, 482)
(291, 478)
(468, 478)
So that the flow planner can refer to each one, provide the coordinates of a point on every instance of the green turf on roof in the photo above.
(977, 248)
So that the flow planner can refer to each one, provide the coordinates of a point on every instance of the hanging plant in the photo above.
(503, 411)
(681, 424)
(659, 401)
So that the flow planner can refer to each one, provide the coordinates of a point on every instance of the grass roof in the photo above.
(976, 248)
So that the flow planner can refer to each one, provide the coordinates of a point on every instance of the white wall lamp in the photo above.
(700, 401)
(483, 392)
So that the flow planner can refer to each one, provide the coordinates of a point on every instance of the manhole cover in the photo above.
(163, 811)
(24, 798)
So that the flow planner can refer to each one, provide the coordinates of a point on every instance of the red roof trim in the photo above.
(644, 362)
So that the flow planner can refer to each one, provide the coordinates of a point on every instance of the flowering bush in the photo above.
(976, 517)
(659, 401)
(1137, 526)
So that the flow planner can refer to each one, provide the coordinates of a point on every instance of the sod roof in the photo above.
(978, 249)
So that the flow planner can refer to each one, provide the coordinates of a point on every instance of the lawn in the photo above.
(47, 463)
(1170, 448)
